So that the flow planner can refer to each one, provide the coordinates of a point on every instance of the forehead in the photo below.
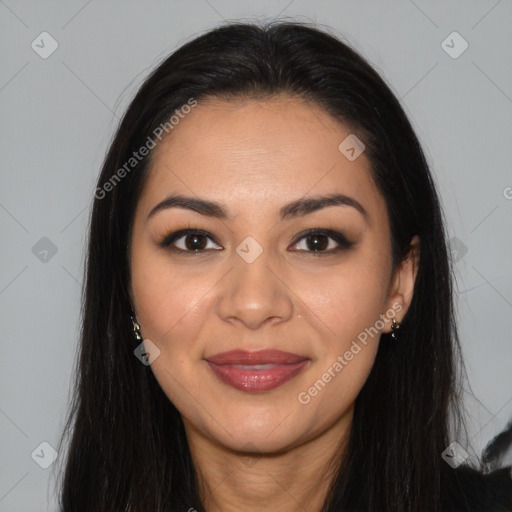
(258, 153)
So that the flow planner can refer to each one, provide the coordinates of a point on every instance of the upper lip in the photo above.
(269, 356)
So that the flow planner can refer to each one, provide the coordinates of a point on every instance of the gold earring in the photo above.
(136, 329)
(394, 328)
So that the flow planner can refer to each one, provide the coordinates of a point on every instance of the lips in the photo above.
(253, 358)
(262, 370)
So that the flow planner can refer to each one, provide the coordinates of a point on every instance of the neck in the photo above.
(295, 479)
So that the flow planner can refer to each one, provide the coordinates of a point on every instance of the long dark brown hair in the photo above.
(127, 448)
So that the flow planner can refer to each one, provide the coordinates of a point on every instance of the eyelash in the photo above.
(338, 237)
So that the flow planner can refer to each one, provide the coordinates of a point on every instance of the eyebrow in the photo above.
(297, 208)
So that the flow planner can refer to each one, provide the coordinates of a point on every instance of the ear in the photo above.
(402, 284)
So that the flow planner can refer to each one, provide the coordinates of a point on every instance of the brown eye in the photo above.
(317, 242)
(194, 242)
(187, 241)
(323, 241)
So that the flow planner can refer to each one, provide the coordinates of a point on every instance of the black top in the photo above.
(470, 490)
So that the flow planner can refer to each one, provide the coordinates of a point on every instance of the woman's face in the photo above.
(255, 281)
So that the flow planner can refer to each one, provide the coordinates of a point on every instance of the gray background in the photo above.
(58, 115)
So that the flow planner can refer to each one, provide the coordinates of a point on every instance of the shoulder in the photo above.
(470, 490)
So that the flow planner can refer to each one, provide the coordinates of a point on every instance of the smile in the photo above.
(256, 371)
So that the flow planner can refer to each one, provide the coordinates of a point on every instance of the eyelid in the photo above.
(176, 235)
(336, 236)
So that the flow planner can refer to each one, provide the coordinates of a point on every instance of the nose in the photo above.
(254, 294)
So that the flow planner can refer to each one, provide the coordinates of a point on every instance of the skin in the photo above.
(264, 449)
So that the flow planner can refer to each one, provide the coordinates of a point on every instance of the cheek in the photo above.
(167, 299)
(349, 342)
(346, 300)
(171, 305)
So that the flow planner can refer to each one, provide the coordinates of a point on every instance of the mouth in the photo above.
(262, 370)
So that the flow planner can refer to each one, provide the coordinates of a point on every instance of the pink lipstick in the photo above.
(262, 370)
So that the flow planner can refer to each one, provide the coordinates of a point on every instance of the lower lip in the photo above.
(253, 380)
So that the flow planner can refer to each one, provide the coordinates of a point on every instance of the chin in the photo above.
(260, 434)
(258, 443)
